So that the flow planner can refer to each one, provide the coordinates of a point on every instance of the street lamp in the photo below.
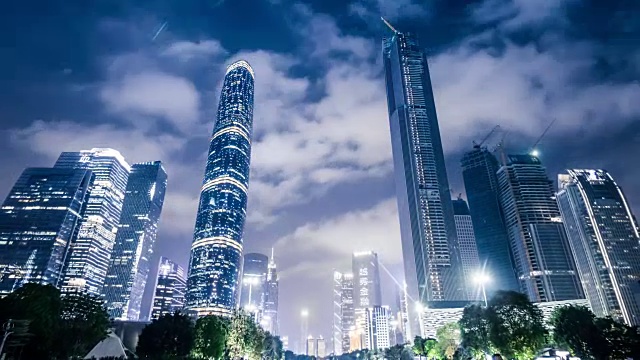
(482, 279)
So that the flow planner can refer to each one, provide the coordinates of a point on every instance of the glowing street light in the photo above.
(482, 279)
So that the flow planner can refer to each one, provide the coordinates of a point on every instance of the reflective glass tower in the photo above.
(254, 279)
(216, 250)
(479, 168)
(129, 265)
(344, 316)
(433, 271)
(90, 250)
(604, 239)
(366, 279)
(37, 222)
(169, 289)
(468, 247)
(543, 259)
(270, 316)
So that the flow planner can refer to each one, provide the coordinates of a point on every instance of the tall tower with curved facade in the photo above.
(216, 251)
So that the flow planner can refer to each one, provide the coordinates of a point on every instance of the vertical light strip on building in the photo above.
(216, 251)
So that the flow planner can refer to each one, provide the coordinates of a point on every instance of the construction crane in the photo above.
(389, 25)
(533, 150)
(478, 145)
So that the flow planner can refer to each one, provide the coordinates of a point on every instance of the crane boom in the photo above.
(533, 148)
(495, 128)
(389, 25)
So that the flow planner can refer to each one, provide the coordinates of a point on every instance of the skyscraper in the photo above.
(433, 271)
(605, 242)
(169, 289)
(37, 222)
(344, 321)
(377, 328)
(254, 279)
(216, 250)
(479, 168)
(270, 317)
(366, 279)
(129, 264)
(468, 247)
(543, 259)
(90, 250)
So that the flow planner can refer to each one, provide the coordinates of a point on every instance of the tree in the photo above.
(575, 328)
(272, 347)
(245, 337)
(40, 306)
(516, 326)
(394, 352)
(418, 346)
(84, 322)
(618, 337)
(169, 337)
(474, 331)
(448, 337)
(431, 349)
(210, 337)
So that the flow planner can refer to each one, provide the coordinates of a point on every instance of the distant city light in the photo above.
(304, 313)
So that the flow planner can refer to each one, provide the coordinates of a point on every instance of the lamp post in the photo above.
(482, 279)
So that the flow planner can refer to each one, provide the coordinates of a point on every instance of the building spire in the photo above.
(272, 261)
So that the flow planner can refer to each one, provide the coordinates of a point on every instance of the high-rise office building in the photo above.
(433, 270)
(605, 242)
(254, 280)
(169, 289)
(479, 168)
(270, 315)
(216, 250)
(378, 328)
(344, 321)
(37, 222)
(129, 264)
(311, 346)
(543, 259)
(403, 315)
(366, 280)
(321, 346)
(90, 250)
(468, 247)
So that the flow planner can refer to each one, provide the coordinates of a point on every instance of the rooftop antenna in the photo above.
(389, 25)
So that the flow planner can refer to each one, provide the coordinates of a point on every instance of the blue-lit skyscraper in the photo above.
(468, 247)
(543, 259)
(37, 222)
(605, 242)
(216, 251)
(479, 168)
(433, 270)
(129, 265)
(168, 293)
(253, 287)
(90, 250)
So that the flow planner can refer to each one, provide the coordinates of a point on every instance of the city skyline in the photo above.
(321, 174)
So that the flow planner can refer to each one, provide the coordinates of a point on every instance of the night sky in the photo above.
(77, 74)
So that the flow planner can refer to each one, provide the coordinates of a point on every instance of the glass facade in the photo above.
(344, 316)
(604, 239)
(479, 168)
(366, 279)
(216, 251)
(37, 222)
(129, 264)
(543, 259)
(270, 315)
(254, 281)
(169, 289)
(377, 325)
(91, 248)
(468, 247)
(433, 270)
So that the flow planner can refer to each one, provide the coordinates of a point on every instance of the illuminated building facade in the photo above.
(254, 281)
(377, 328)
(37, 222)
(433, 270)
(604, 239)
(270, 314)
(468, 247)
(169, 289)
(344, 316)
(129, 264)
(216, 251)
(91, 247)
(479, 168)
(366, 281)
(543, 259)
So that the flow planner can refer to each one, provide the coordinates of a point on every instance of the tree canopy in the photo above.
(169, 337)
